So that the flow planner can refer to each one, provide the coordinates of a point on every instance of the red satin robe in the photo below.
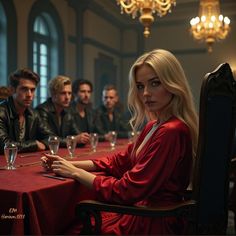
(158, 175)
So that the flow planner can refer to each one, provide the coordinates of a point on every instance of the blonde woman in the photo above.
(155, 170)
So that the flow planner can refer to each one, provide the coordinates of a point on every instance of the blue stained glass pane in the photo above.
(42, 29)
(43, 81)
(43, 60)
(40, 26)
(43, 49)
(43, 71)
(44, 92)
(35, 68)
(35, 58)
(43, 99)
(35, 47)
(44, 24)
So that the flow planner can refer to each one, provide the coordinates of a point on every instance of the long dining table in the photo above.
(31, 202)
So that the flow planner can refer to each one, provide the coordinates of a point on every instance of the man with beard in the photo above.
(109, 117)
(20, 123)
(82, 107)
(56, 114)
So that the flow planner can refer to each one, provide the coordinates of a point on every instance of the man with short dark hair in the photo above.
(56, 114)
(109, 117)
(18, 121)
(82, 107)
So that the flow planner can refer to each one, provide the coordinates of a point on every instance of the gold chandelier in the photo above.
(210, 25)
(146, 9)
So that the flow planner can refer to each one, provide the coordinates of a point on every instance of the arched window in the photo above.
(8, 40)
(46, 46)
(42, 41)
(3, 47)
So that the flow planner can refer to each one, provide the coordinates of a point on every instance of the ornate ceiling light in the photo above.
(210, 25)
(146, 9)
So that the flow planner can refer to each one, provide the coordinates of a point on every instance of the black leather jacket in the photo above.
(10, 130)
(48, 114)
(119, 124)
(89, 117)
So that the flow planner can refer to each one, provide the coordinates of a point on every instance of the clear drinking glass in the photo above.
(112, 139)
(71, 144)
(94, 141)
(53, 143)
(131, 136)
(10, 152)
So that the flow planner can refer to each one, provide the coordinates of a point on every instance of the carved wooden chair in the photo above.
(207, 208)
(232, 197)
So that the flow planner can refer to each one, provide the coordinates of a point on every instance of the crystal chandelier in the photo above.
(146, 9)
(210, 25)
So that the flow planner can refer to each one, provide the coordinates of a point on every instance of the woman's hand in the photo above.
(47, 161)
(68, 169)
(64, 168)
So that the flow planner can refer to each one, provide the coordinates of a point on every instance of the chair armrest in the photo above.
(171, 210)
(90, 208)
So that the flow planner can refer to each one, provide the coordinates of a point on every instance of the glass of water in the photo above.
(53, 143)
(112, 139)
(94, 141)
(131, 136)
(10, 152)
(71, 145)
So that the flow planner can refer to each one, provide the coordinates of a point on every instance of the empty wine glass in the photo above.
(112, 139)
(53, 143)
(71, 144)
(94, 141)
(10, 152)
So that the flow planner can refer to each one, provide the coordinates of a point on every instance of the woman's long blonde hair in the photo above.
(172, 76)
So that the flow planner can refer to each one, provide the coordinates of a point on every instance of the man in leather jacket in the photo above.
(82, 107)
(56, 114)
(109, 116)
(18, 121)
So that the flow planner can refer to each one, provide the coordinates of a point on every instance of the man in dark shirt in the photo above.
(56, 114)
(109, 117)
(82, 107)
(18, 121)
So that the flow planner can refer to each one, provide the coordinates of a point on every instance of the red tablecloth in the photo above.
(33, 204)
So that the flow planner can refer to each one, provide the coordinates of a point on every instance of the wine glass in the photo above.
(71, 144)
(10, 152)
(94, 141)
(112, 139)
(53, 143)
